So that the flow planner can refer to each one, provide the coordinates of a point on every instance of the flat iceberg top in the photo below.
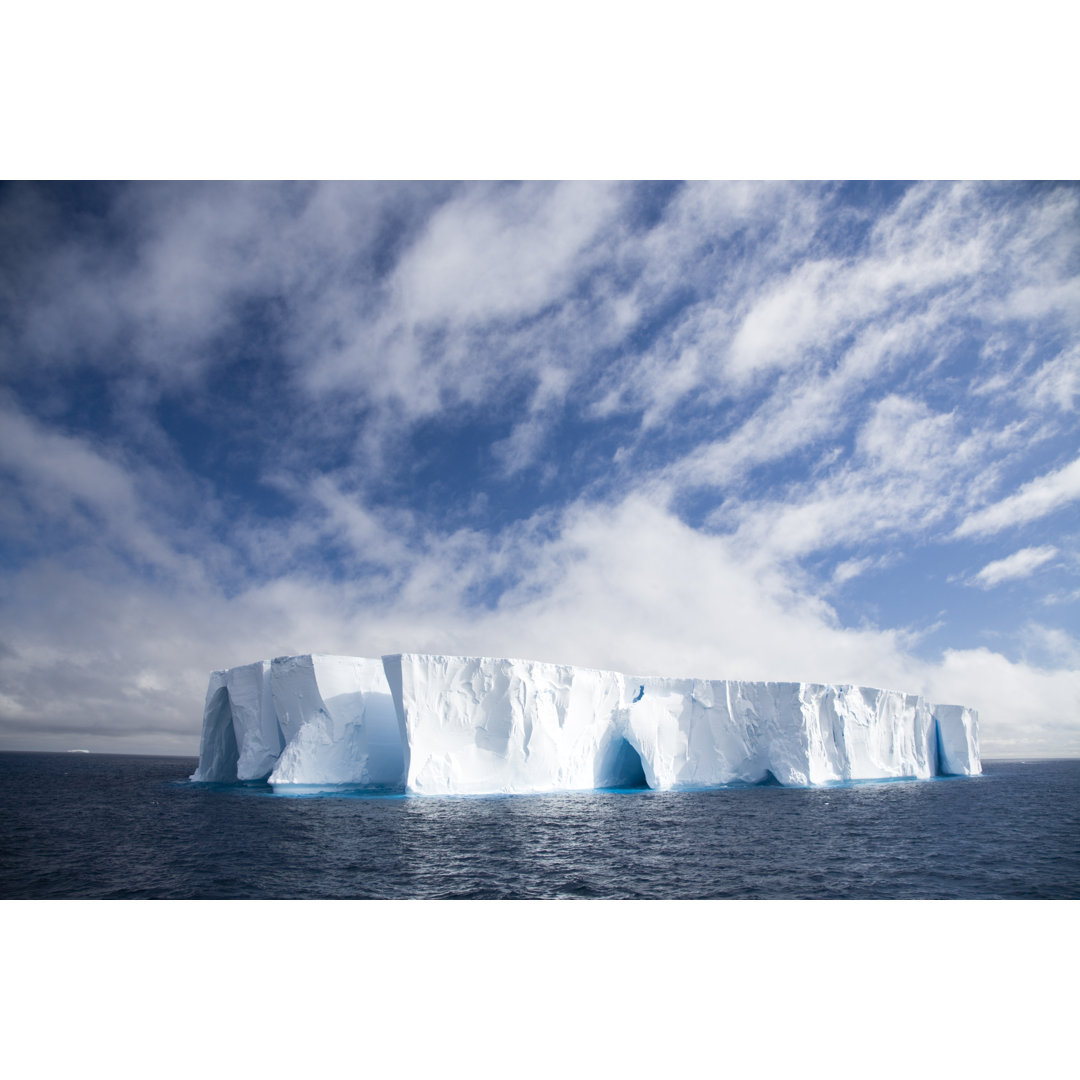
(446, 660)
(439, 724)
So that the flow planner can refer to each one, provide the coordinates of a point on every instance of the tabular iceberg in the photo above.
(430, 724)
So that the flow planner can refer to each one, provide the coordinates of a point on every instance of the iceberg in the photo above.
(429, 724)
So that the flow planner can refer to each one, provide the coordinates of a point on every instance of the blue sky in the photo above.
(789, 431)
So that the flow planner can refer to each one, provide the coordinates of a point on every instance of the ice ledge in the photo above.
(434, 724)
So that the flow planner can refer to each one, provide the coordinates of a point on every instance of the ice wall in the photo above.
(241, 739)
(302, 720)
(433, 724)
(481, 724)
(338, 721)
(958, 740)
(704, 733)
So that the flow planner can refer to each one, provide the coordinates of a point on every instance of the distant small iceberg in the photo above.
(78, 751)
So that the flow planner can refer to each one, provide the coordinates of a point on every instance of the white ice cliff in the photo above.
(302, 720)
(431, 724)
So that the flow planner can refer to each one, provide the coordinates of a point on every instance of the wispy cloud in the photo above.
(905, 475)
(1031, 501)
(1057, 382)
(59, 487)
(1020, 564)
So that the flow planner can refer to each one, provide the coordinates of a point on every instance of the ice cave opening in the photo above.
(624, 769)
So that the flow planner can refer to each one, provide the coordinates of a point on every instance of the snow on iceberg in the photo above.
(431, 724)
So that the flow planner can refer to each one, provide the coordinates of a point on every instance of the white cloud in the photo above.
(933, 241)
(1057, 382)
(1033, 500)
(850, 569)
(435, 320)
(195, 252)
(907, 473)
(522, 446)
(782, 325)
(805, 408)
(65, 479)
(445, 328)
(1023, 709)
(501, 252)
(941, 256)
(370, 539)
(1020, 564)
(1053, 645)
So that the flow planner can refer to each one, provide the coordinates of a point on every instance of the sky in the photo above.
(821, 432)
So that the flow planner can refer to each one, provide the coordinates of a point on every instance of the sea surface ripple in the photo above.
(104, 826)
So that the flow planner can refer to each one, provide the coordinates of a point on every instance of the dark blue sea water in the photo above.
(78, 825)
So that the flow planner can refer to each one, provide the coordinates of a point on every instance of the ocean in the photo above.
(119, 827)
